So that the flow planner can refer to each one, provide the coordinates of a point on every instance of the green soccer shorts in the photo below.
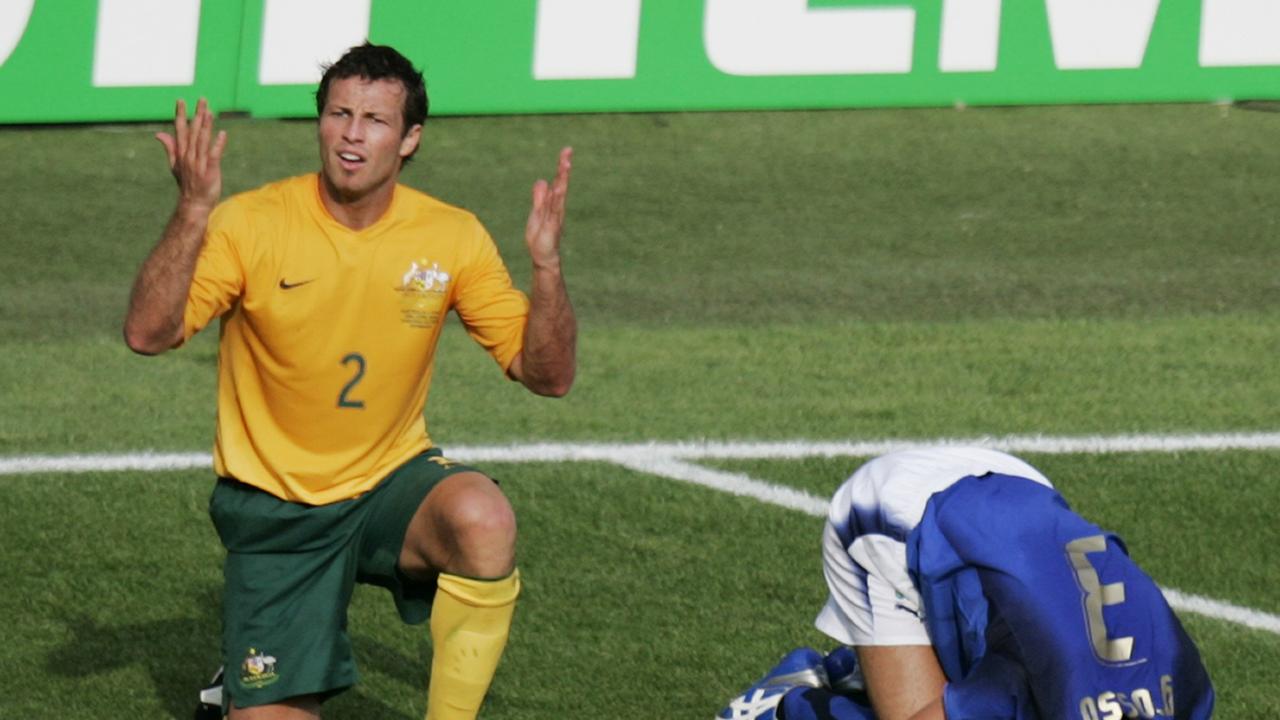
(291, 569)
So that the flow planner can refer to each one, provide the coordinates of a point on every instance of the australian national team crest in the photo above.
(422, 293)
(258, 669)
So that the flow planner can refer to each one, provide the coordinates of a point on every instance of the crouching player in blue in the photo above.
(968, 588)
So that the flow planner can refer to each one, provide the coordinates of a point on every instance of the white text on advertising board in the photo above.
(597, 39)
(140, 43)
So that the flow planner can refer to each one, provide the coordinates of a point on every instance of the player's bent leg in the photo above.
(465, 526)
(288, 576)
(464, 529)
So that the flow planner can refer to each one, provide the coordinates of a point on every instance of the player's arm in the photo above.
(905, 682)
(159, 296)
(548, 361)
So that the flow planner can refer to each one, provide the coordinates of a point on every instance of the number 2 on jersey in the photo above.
(344, 397)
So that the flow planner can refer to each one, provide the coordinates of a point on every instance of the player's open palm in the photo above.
(546, 217)
(195, 155)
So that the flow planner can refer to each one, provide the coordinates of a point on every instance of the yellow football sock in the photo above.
(470, 620)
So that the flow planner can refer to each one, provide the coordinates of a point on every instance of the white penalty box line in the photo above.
(675, 461)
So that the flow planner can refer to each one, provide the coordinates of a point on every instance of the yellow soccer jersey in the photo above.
(329, 334)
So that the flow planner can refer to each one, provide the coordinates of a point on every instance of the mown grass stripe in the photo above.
(670, 460)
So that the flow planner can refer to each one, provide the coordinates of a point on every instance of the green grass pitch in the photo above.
(1075, 271)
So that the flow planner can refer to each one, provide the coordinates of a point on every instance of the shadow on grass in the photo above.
(181, 654)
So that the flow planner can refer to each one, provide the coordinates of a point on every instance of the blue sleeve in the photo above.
(955, 609)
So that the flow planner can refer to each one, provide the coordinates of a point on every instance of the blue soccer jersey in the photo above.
(1035, 612)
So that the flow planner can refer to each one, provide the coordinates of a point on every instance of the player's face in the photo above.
(362, 138)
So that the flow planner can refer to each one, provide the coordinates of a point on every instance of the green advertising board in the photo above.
(102, 60)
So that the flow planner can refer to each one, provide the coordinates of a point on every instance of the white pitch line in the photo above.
(732, 483)
(796, 449)
(1209, 607)
(695, 450)
(144, 461)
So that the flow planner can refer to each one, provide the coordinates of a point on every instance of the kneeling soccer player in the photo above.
(968, 588)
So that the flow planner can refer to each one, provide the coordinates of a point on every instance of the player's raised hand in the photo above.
(195, 155)
(546, 217)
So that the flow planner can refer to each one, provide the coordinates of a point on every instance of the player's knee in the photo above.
(486, 517)
(483, 525)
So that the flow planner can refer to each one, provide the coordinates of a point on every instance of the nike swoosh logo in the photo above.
(289, 286)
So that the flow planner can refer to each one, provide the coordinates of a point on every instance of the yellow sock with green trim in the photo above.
(470, 620)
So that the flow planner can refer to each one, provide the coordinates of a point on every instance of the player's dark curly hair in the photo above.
(379, 62)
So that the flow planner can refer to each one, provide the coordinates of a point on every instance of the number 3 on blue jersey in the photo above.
(1096, 596)
(344, 397)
